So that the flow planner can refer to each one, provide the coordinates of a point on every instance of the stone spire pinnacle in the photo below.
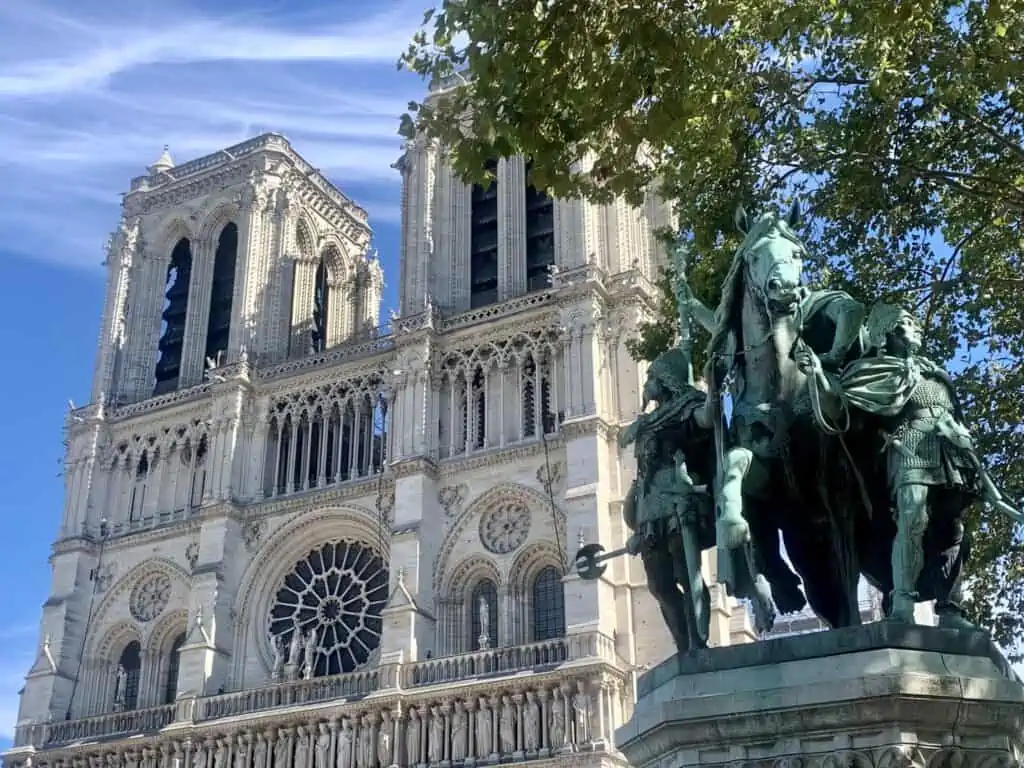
(164, 163)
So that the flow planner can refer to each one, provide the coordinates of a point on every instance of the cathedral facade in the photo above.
(290, 540)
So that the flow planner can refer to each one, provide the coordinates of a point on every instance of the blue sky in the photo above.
(90, 90)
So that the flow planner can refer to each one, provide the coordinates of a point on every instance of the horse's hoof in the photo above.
(732, 534)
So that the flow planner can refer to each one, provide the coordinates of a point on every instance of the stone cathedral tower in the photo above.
(271, 504)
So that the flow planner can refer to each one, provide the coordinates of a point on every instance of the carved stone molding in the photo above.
(451, 498)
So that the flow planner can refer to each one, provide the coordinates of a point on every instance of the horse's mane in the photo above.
(728, 327)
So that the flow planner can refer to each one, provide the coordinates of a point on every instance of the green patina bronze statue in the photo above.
(932, 470)
(841, 437)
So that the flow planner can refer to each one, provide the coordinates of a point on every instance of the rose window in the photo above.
(150, 597)
(337, 592)
(504, 528)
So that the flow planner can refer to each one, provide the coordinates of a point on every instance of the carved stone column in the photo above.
(511, 227)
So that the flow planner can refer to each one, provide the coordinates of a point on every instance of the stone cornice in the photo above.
(186, 180)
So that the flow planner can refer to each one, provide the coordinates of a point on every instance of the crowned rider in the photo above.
(934, 472)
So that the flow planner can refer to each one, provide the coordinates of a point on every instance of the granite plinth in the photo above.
(878, 695)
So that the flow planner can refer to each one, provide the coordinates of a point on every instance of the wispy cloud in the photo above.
(90, 91)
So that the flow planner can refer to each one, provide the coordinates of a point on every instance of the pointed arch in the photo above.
(222, 292)
(171, 346)
(321, 307)
(534, 500)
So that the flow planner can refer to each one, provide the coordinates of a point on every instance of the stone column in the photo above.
(511, 227)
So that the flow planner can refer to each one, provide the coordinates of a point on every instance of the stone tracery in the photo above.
(325, 435)
(336, 592)
(520, 373)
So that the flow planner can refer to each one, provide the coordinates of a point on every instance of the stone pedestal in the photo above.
(878, 696)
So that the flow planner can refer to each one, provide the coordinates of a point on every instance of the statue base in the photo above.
(881, 695)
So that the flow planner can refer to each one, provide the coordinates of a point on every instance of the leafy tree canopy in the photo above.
(898, 124)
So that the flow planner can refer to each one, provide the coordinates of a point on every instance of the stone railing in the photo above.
(320, 689)
(516, 718)
(496, 661)
(138, 721)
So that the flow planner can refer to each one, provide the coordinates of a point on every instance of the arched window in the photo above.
(173, 667)
(218, 328)
(540, 236)
(126, 685)
(172, 334)
(484, 594)
(321, 296)
(548, 605)
(483, 241)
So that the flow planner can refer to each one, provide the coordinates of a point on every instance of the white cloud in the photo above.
(90, 91)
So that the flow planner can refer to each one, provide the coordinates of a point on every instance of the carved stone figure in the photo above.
(346, 744)
(309, 655)
(484, 614)
(384, 741)
(120, 687)
(323, 747)
(483, 731)
(531, 723)
(581, 714)
(556, 723)
(365, 750)
(460, 732)
(199, 757)
(412, 738)
(241, 752)
(294, 647)
(301, 747)
(507, 726)
(436, 740)
(220, 757)
(277, 670)
(259, 751)
(282, 749)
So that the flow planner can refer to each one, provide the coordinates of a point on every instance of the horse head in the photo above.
(773, 257)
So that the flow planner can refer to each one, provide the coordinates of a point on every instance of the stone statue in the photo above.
(220, 757)
(259, 751)
(556, 724)
(345, 744)
(531, 723)
(436, 740)
(908, 410)
(309, 655)
(294, 647)
(323, 747)
(483, 733)
(282, 749)
(507, 726)
(301, 747)
(412, 738)
(242, 751)
(365, 752)
(581, 713)
(484, 613)
(460, 732)
(199, 756)
(120, 687)
(277, 670)
(384, 741)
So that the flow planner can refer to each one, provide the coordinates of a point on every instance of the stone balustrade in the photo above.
(573, 708)
(496, 661)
